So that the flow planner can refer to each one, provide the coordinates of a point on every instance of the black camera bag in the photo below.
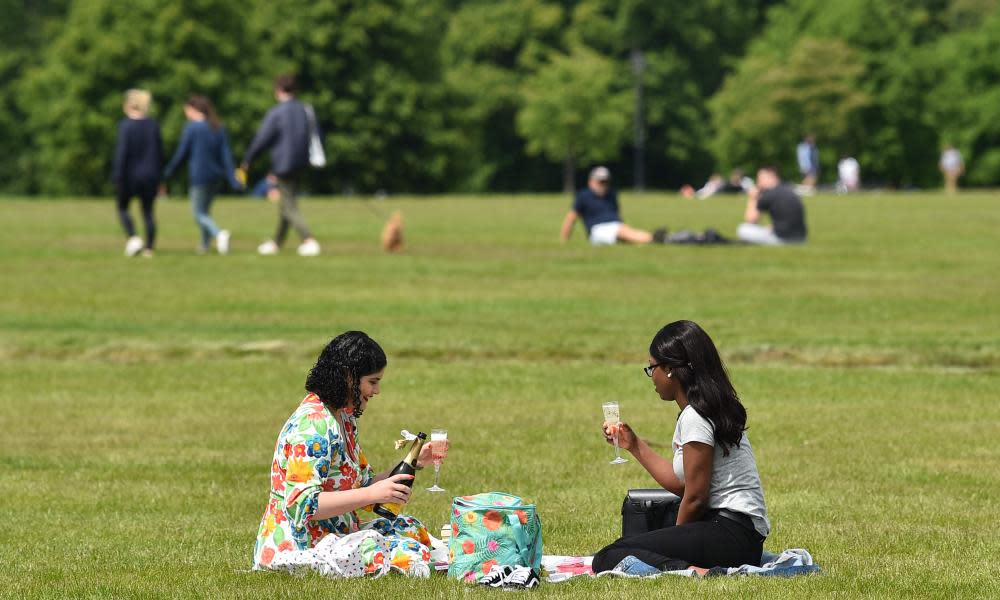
(647, 510)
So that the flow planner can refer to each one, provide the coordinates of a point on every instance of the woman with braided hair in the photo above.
(321, 482)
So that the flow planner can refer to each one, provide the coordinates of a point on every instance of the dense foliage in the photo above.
(482, 95)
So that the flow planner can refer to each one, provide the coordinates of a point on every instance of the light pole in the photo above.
(638, 123)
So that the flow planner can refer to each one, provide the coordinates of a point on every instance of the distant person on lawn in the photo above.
(807, 155)
(782, 204)
(136, 169)
(849, 175)
(321, 485)
(205, 145)
(597, 205)
(722, 520)
(285, 131)
(952, 167)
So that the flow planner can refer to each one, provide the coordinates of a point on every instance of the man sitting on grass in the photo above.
(771, 196)
(597, 205)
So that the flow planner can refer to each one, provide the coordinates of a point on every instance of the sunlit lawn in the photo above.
(140, 399)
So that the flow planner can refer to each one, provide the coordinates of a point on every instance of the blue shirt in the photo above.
(594, 209)
(138, 154)
(285, 130)
(808, 156)
(207, 152)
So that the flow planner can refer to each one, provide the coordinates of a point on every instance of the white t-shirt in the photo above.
(951, 160)
(849, 171)
(735, 482)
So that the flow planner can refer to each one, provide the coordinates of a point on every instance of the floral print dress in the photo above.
(317, 452)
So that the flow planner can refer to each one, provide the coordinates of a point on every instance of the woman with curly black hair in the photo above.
(321, 481)
(722, 520)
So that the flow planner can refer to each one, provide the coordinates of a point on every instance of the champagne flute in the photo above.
(439, 442)
(613, 416)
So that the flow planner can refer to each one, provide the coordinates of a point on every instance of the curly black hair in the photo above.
(336, 376)
(696, 364)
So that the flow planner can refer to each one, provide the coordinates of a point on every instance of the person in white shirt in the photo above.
(952, 167)
(849, 175)
(722, 519)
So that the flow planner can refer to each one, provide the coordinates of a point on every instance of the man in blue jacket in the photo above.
(285, 131)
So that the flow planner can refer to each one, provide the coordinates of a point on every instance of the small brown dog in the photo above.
(392, 233)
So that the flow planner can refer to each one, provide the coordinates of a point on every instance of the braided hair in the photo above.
(695, 363)
(336, 376)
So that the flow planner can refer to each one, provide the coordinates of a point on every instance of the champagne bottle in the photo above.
(407, 466)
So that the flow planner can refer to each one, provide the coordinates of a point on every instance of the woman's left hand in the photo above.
(427, 453)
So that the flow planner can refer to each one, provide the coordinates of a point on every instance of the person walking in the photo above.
(205, 145)
(285, 131)
(136, 169)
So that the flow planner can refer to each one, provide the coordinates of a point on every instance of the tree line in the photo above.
(511, 95)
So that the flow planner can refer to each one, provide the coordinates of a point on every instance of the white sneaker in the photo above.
(309, 247)
(268, 248)
(523, 578)
(133, 245)
(222, 242)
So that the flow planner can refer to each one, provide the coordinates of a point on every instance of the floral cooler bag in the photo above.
(489, 529)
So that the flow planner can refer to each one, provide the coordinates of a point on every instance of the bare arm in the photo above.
(660, 468)
(567, 225)
(391, 489)
(698, 459)
(752, 215)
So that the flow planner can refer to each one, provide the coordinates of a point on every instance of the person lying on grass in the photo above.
(321, 483)
(722, 520)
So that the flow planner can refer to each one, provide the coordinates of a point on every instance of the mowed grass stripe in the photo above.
(140, 400)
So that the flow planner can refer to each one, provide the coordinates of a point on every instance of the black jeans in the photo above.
(715, 541)
(147, 196)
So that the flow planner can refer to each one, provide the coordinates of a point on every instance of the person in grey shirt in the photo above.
(722, 520)
(285, 131)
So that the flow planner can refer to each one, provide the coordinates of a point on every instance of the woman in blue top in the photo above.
(205, 145)
(136, 170)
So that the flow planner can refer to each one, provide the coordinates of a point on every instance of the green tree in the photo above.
(965, 99)
(575, 110)
(896, 141)
(489, 48)
(73, 99)
(765, 108)
(685, 49)
(372, 69)
(23, 29)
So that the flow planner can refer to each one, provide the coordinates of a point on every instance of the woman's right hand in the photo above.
(391, 490)
(626, 437)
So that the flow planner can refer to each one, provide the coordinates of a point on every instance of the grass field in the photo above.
(140, 399)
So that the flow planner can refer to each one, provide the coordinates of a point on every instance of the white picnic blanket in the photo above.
(345, 556)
